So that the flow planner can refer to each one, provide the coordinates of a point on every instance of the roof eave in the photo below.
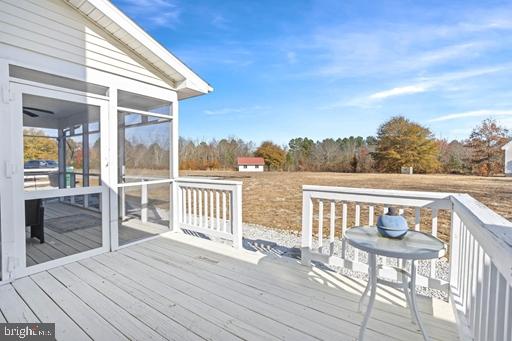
(182, 77)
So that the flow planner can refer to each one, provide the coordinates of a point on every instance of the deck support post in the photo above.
(307, 228)
(236, 211)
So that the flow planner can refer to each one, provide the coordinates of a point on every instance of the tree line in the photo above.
(399, 142)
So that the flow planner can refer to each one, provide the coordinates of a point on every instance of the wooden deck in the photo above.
(61, 244)
(184, 288)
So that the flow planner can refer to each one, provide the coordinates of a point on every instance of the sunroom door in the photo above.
(61, 201)
(144, 176)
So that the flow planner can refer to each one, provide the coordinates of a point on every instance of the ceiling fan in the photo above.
(29, 111)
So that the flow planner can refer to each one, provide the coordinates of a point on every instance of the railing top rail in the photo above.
(495, 233)
(198, 180)
(410, 198)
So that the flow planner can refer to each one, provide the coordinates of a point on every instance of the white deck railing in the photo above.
(480, 247)
(481, 270)
(211, 207)
(347, 207)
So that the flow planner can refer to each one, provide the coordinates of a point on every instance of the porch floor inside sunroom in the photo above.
(59, 244)
(180, 287)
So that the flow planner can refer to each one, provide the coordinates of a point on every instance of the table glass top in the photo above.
(414, 245)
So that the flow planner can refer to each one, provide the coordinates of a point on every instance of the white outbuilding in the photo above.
(508, 158)
(251, 164)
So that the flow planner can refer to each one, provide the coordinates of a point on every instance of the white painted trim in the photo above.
(63, 192)
(113, 170)
(59, 262)
(39, 62)
(135, 242)
(19, 195)
(142, 112)
(144, 183)
(56, 88)
(6, 181)
(197, 180)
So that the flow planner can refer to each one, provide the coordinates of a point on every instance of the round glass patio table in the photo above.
(413, 246)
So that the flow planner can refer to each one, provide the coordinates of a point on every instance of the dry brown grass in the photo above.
(274, 199)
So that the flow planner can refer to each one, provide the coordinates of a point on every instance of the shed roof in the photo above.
(107, 16)
(252, 161)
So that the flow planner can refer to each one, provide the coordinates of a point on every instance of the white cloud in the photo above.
(238, 110)
(403, 90)
(473, 113)
(434, 82)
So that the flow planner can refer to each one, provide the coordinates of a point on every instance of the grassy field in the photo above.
(274, 199)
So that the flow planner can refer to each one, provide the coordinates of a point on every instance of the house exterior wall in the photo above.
(53, 28)
(508, 161)
(250, 168)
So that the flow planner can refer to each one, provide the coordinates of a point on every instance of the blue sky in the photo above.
(283, 69)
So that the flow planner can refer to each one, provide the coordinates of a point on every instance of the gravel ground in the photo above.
(281, 243)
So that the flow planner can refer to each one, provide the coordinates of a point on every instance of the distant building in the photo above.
(508, 158)
(251, 164)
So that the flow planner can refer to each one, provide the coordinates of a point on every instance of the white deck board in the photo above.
(13, 307)
(109, 310)
(47, 311)
(291, 286)
(91, 322)
(300, 318)
(179, 287)
(305, 302)
(141, 311)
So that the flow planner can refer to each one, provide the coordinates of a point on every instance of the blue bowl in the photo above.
(391, 233)
(392, 226)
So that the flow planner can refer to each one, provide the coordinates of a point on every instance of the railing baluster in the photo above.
(224, 217)
(371, 215)
(184, 204)
(433, 262)
(491, 311)
(212, 210)
(144, 203)
(189, 205)
(217, 208)
(508, 319)
(358, 215)
(477, 319)
(332, 228)
(357, 222)
(501, 304)
(344, 223)
(485, 299)
(417, 219)
(205, 217)
(194, 205)
(200, 207)
(179, 203)
(320, 225)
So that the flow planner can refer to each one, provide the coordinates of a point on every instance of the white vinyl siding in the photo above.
(250, 168)
(53, 28)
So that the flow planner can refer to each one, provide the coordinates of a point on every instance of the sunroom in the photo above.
(89, 133)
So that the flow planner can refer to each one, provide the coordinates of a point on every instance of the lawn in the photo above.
(274, 199)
